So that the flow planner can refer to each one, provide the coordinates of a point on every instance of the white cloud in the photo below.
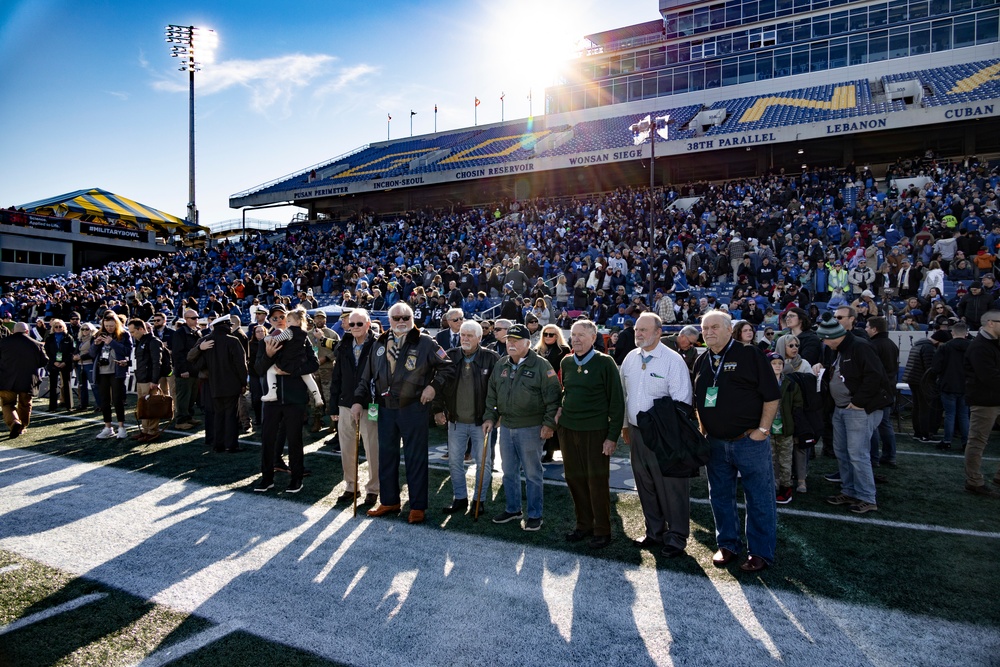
(345, 76)
(272, 82)
(118, 94)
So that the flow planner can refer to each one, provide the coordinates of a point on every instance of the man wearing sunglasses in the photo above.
(185, 338)
(351, 357)
(405, 371)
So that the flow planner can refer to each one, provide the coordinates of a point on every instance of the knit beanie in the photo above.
(829, 327)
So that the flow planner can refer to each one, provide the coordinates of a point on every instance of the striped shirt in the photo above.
(665, 374)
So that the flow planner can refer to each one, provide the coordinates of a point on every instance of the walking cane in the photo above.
(482, 474)
(357, 455)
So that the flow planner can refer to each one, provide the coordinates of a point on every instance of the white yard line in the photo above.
(382, 592)
(194, 643)
(10, 568)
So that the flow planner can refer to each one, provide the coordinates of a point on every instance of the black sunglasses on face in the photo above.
(405, 318)
(354, 325)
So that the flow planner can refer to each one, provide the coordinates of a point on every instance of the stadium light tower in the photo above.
(185, 41)
(647, 129)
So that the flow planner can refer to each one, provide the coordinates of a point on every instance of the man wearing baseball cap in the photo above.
(524, 396)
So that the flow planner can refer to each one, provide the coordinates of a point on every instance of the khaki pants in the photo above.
(323, 377)
(348, 436)
(16, 407)
(981, 420)
(150, 426)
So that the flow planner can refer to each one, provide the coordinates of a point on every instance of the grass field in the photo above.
(929, 553)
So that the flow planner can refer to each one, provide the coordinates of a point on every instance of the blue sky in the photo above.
(90, 97)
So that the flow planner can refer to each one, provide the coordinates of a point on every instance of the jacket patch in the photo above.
(505, 372)
(441, 353)
(528, 374)
(381, 351)
(550, 374)
(411, 362)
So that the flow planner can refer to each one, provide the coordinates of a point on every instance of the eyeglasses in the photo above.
(768, 333)
(276, 318)
(455, 319)
(190, 317)
(404, 318)
(791, 345)
(355, 325)
(499, 328)
(549, 335)
(841, 317)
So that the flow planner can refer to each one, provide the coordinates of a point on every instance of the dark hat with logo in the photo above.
(277, 308)
(518, 332)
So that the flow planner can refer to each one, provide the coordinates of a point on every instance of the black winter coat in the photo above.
(482, 368)
(347, 372)
(226, 364)
(20, 359)
(982, 367)
(670, 431)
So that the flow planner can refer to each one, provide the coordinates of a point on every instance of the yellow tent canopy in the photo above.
(97, 204)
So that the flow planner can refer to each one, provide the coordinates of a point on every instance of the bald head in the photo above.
(20, 327)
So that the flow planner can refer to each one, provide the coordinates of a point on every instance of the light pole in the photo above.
(645, 129)
(185, 39)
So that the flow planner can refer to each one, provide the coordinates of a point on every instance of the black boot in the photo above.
(457, 507)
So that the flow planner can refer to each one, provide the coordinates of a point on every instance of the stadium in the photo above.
(748, 88)
(823, 131)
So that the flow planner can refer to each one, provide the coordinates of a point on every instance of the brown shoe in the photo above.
(184, 426)
(382, 510)
(416, 516)
(982, 490)
(753, 564)
(723, 557)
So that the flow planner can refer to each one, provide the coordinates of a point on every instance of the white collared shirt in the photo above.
(665, 374)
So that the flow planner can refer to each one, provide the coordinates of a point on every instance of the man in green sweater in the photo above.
(589, 420)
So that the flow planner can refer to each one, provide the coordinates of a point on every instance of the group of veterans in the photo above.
(384, 390)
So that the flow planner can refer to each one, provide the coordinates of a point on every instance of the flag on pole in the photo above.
(412, 112)
(390, 116)
(435, 108)
(477, 101)
(502, 95)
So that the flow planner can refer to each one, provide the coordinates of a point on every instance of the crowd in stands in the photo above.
(814, 239)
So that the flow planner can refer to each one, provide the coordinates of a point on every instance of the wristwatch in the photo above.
(763, 430)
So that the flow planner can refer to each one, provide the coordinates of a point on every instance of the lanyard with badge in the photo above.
(712, 393)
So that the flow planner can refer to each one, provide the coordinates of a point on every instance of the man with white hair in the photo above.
(20, 360)
(651, 372)
(449, 338)
(500, 328)
(736, 397)
(352, 354)
(589, 420)
(404, 373)
(461, 405)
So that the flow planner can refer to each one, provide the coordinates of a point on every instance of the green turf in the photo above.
(916, 571)
(119, 629)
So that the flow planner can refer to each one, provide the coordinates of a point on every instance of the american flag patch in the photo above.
(551, 374)
(442, 354)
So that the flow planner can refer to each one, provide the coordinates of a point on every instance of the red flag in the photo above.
(435, 108)
(502, 95)
(477, 101)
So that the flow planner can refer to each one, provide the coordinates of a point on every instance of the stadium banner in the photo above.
(36, 221)
(705, 143)
(120, 233)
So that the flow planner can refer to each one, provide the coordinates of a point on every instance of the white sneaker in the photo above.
(122, 433)
(106, 433)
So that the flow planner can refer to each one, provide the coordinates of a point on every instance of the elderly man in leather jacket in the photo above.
(405, 371)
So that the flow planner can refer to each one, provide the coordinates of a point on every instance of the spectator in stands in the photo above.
(449, 338)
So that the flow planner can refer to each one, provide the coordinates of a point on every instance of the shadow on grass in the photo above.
(917, 571)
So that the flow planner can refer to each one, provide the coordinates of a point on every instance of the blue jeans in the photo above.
(753, 461)
(852, 434)
(521, 449)
(885, 434)
(459, 436)
(956, 414)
